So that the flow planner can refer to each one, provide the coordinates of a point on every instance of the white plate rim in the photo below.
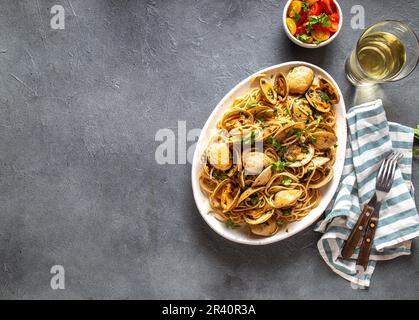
(315, 214)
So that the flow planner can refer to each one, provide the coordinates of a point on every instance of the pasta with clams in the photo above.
(274, 149)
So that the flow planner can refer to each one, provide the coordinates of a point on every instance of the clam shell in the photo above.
(319, 161)
(313, 97)
(327, 86)
(268, 91)
(218, 154)
(299, 79)
(281, 86)
(324, 181)
(324, 140)
(306, 160)
(268, 228)
(263, 177)
(264, 217)
(286, 198)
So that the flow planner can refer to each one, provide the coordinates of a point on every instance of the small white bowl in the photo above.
(309, 45)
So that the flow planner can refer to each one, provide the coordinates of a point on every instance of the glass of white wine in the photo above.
(386, 51)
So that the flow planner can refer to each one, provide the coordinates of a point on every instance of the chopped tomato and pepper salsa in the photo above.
(312, 21)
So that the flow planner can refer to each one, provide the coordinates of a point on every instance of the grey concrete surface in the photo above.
(79, 184)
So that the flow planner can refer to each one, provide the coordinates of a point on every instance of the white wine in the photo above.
(381, 55)
(386, 51)
(378, 57)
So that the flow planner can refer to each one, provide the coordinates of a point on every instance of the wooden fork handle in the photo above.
(356, 233)
(366, 246)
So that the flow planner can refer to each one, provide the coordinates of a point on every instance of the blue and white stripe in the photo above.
(371, 139)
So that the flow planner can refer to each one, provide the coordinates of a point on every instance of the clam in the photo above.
(268, 91)
(266, 216)
(327, 176)
(255, 80)
(299, 79)
(301, 109)
(228, 199)
(326, 86)
(298, 157)
(263, 177)
(283, 132)
(319, 161)
(319, 100)
(286, 198)
(281, 86)
(237, 134)
(267, 228)
(254, 162)
(324, 139)
(248, 193)
(218, 154)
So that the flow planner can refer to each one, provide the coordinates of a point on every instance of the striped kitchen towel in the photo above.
(371, 139)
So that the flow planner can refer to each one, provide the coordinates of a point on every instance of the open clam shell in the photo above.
(307, 158)
(281, 86)
(282, 133)
(268, 91)
(263, 177)
(265, 229)
(301, 109)
(264, 217)
(326, 86)
(286, 198)
(317, 100)
(327, 176)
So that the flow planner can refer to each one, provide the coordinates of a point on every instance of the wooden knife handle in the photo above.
(366, 246)
(353, 239)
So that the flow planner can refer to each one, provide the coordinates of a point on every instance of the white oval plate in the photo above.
(242, 234)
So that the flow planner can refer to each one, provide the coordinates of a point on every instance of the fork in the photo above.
(370, 214)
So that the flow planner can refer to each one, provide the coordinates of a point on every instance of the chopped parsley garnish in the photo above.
(324, 97)
(261, 122)
(293, 131)
(303, 37)
(287, 181)
(313, 138)
(286, 212)
(296, 17)
(230, 224)
(252, 103)
(322, 20)
(279, 165)
(270, 94)
(317, 42)
(319, 118)
(254, 200)
(219, 176)
(275, 143)
(306, 7)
